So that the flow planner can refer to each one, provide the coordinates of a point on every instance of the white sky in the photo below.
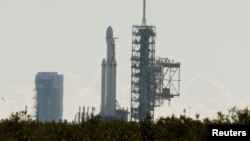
(209, 38)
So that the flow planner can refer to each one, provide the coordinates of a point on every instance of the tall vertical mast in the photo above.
(144, 13)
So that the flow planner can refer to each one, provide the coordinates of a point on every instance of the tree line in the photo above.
(21, 127)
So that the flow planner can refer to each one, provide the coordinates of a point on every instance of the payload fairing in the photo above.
(108, 82)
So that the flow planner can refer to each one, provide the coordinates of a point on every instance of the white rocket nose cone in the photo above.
(109, 32)
(104, 62)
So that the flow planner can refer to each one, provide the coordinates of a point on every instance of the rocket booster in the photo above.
(103, 86)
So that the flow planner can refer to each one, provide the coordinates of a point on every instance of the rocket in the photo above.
(108, 82)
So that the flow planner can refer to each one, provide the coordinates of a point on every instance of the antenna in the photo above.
(144, 13)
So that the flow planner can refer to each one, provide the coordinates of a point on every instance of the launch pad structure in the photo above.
(153, 80)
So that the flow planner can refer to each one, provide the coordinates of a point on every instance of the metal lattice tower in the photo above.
(143, 56)
(152, 80)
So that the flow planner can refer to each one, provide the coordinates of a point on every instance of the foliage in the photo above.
(20, 127)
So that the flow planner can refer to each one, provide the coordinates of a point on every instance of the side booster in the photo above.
(108, 82)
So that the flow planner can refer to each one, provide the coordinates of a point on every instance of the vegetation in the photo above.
(20, 127)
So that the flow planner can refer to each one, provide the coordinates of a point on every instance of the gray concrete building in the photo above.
(49, 96)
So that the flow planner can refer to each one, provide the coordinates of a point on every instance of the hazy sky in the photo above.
(209, 37)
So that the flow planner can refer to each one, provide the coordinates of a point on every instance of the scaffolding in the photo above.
(142, 63)
(85, 114)
(152, 80)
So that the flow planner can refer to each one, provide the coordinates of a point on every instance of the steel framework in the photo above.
(143, 56)
(152, 80)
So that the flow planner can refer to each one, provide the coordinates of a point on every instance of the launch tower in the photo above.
(153, 80)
